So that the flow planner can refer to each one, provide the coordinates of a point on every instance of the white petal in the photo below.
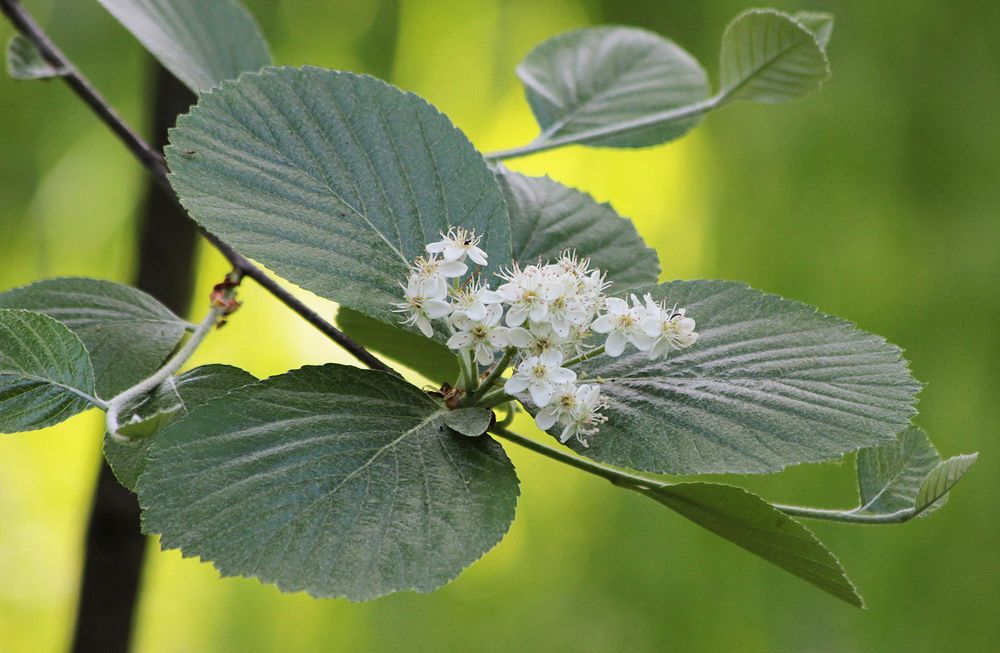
(603, 324)
(641, 341)
(484, 355)
(518, 337)
(516, 316)
(478, 256)
(515, 384)
(541, 393)
(547, 418)
(539, 312)
(492, 314)
(489, 297)
(567, 433)
(551, 358)
(436, 248)
(436, 308)
(615, 305)
(476, 312)
(453, 269)
(562, 375)
(460, 340)
(452, 253)
(615, 344)
(424, 325)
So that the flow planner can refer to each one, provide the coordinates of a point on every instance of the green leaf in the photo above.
(819, 23)
(158, 409)
(332, 480)
(607, 77)
(472, 422)
(750, 522)
(769, 383)
(127, 332)
(547, 218)
(768, 56)
(202, 42)
(906, 475)
(425, 356)
(335, 181)
(25, 62)
(45, 372)
(942, 478)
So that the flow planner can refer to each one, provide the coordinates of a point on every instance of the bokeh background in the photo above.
(876, 200)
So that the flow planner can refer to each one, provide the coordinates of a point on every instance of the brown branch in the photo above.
(153, 161)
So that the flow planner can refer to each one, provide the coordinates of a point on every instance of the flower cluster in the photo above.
(541, 314)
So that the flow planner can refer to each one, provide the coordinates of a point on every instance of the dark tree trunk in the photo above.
(114, 546)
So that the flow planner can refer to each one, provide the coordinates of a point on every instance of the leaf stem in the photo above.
(543, 143)
(154, 162)
(584, 356)
(493, 398)
(494, 375)
(115, 405)
(848, 516)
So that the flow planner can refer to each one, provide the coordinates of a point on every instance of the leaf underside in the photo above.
(202, 42)
(605, 76)
(770, 383)
(25, 62)
(127, 332)
(45, 372)
(335, 181)
(332, 480)
(768, 56)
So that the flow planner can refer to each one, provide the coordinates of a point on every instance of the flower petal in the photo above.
(541, 393)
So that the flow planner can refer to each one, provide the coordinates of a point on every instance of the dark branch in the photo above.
(157, 167)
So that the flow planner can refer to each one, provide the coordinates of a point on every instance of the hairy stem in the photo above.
(494, 375)
(544, 142)
(116, 404)
(586, 356)
(157, 167)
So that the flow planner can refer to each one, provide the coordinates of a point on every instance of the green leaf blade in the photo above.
(127, 332)
(331, 480)
(890, 476)
(202, 42)
(934, 490)
(547, 218)
(768, 56)
(770, 383)
(45, 372)
(603, 77)
(470, 422)
(335, 181)
(158, 409)
(423, 355)
(751, 523)
(25, 62)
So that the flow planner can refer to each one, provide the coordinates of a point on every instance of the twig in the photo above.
(153, 162)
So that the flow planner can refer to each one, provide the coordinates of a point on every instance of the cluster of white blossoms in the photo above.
(542, 313)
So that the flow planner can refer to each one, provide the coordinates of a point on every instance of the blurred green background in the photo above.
(876, 200)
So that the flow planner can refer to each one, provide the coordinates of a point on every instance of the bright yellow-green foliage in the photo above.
(874, 200)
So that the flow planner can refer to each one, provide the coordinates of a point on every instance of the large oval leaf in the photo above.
(770, 383)
(202, 42)
(45, 372)
(127, 332)
(332, 480)
(547, 218)
(769, 56)
(148, 414)
(607, 77)
(334, 181)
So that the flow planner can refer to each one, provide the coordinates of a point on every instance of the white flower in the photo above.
(484, 337)
(423, 303)
(563, 303)
(623, 323)
(561, 407)
(523, 292)
(670, 329)
(585, 417)
(539, 375)
(434, 273)
(471, 302)
(457, 244)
